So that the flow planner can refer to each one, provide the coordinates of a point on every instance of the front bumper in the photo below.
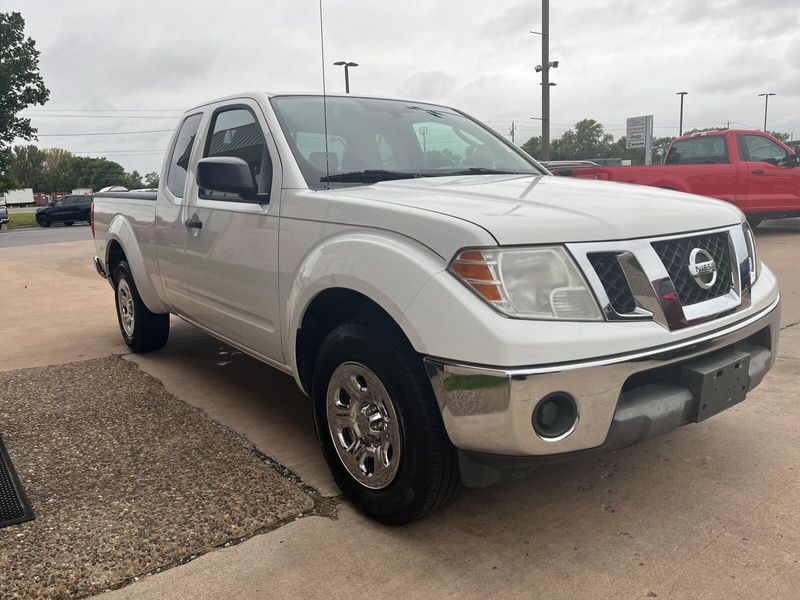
(621, 399)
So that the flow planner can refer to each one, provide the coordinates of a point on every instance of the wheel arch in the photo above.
(352, 276)
(329, 309)
(122, 241)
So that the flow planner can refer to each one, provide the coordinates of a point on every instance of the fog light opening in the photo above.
(555, 416)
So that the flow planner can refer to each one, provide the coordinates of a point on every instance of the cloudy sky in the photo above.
(148, 60)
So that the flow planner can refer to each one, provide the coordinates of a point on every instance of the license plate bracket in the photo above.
(717, 382)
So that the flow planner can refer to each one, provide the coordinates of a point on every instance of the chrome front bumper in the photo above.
(489, 410)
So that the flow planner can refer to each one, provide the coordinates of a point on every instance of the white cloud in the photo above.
(617, 59)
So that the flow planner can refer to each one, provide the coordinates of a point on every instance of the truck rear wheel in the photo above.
(141, 329)
(379, 425)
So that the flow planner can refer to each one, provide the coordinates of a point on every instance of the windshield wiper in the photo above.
(481, 171)
(369, 176)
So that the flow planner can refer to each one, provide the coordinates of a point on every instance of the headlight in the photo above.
(752, 252)
(528, 283)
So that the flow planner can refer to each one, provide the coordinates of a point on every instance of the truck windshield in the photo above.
(372, 140)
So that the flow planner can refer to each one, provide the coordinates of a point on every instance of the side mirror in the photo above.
(226, 174)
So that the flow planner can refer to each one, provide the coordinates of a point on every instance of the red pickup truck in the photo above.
(751, 169)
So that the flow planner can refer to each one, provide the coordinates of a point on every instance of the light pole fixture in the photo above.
(544, 69)
(766, 105)
(346, 65)
(680, 126)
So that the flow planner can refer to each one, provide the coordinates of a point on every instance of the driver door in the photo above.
(771, 184)
(232, 242)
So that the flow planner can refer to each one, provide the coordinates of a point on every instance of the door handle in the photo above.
(757, 171)
(193, 223)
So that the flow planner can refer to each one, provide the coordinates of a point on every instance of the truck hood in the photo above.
(525, 209)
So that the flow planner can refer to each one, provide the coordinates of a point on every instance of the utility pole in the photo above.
(346, 65)
(544, 69)
(766, 105)
(680, 127)
(545, 79)
(513, 141)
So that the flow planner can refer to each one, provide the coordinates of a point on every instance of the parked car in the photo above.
(750, 169)
(455, 313)
(66, 210)
(3, 215)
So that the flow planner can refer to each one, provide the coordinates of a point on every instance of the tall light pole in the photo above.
(766, 105)
(346, 65)
(544, 69)
(680, 127)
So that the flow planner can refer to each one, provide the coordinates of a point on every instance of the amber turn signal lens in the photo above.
(474, 272)
(473, 268)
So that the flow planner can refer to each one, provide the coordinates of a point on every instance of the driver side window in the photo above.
(236, 132)
(762, 149)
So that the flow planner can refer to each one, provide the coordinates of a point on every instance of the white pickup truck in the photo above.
(455, 313)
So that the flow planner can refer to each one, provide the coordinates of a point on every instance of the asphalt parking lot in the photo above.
(709, 511)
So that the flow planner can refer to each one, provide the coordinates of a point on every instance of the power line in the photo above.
(44, 110)
(42, 116)
(159, 150)
(103, 133)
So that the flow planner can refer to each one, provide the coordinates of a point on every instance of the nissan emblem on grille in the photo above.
(702, 268)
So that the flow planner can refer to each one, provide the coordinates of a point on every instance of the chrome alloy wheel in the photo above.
(363, 424)
(125, 307)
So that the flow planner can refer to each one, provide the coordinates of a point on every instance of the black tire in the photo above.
(43, 221)
(149, 330)
(754, 221)
(69, 223)
(427, 476)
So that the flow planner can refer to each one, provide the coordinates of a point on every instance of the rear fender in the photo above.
(120, 230)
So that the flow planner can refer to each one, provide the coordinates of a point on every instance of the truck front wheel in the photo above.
(379, 425)
(141, 329)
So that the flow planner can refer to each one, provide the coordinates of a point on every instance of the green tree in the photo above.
(96, 173)
(784, 137)
(587, 140)
(21, 86)
(533, 146)
(151, 180)
(133, 180)
(26, 167)
(58, 174)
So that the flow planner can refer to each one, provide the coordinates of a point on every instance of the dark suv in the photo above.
(66, 210)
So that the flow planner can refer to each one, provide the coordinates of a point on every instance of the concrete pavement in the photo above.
(710, 511)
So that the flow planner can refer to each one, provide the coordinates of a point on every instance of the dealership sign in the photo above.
(637, 131)
(639, 134)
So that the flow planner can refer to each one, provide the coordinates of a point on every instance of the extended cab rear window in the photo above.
(179, 163)
(701, 150)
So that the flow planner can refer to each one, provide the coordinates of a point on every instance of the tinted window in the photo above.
(406, 138)
(69, 201)
(701, 150)
(759, 148)
(179, 163)
(235, 132)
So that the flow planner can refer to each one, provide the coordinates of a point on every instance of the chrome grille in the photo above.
(614, 281)
(674, 253)
(649, 278)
